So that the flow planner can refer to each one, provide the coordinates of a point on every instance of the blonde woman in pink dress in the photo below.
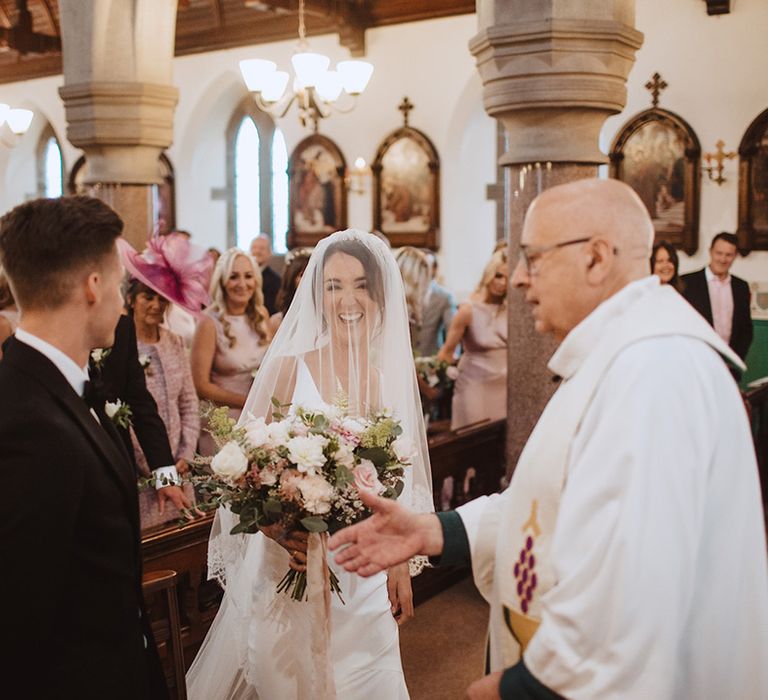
(231, 337)
(480, 325)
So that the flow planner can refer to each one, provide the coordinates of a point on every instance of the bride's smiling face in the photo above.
(347, 304)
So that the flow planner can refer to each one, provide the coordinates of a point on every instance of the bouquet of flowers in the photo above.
(304, 470)
(437, 373)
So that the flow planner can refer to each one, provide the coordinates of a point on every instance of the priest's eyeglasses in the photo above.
(530, 256)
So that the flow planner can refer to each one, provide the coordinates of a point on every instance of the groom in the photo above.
(73, 612)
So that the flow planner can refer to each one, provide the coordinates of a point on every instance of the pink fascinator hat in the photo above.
(173, 267)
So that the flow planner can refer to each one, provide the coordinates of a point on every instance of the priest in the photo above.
(627, 558)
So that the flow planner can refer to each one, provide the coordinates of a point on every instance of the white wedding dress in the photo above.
(259, 644)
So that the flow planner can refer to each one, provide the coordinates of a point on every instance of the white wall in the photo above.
(715, 68)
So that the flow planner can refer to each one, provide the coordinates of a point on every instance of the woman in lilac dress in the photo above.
(480, 325)
(231, 337)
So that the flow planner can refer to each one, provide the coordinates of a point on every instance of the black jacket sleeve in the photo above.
(123, 378)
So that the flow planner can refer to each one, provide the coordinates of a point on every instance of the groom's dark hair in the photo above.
(46, 243)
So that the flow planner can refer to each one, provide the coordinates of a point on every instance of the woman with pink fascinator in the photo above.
(170, 270)
(231, 337)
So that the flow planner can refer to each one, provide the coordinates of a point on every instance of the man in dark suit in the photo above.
(720, 297)
(120, 376)
(261, 250)
(73, 615)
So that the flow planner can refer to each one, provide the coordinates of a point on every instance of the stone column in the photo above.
(119, 100)
(552, 72)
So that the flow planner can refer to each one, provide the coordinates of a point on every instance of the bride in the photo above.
(344, 339)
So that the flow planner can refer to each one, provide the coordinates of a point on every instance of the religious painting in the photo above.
(318, 202)
(657, 154)
(753, 186)
(406, 176)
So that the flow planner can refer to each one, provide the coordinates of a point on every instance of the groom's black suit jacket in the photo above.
(73, 622)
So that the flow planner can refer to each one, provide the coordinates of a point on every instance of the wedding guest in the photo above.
(665, 263)
(439, 310)
(720, 297)
(232, 336)
(69, 536)
(480, 325)
(159, 280)
(414, 269)
(261, 252)
(9, 314)
(215, 254)
(295, 266)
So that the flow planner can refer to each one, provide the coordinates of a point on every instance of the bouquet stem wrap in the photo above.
(319, 599)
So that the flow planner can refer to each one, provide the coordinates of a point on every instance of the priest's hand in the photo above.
(392, 535)
(400, 592)
(486, 688)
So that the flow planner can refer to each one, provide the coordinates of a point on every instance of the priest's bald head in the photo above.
(581, 243)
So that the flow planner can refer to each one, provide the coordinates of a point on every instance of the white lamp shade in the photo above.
(275, 86)
(329, 86)
(309, 67)
(19, 120)
(355, 75)
(256, 72)
(4, 109)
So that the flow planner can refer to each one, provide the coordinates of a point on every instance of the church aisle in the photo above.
(443, 646)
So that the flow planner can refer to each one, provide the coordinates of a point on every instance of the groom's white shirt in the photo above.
(647, 530)
(76, 376)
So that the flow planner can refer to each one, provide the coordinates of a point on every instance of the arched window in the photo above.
(50, 165)
(257, 180)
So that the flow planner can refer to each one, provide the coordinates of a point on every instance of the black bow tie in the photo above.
(92, 395)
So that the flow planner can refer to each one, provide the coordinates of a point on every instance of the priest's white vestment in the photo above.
(627, 558)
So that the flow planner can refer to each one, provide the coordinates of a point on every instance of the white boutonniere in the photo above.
(119, 413)
(145, 361)
(98, 355)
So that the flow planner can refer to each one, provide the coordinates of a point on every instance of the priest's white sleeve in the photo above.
(480, 518)
(646, 516)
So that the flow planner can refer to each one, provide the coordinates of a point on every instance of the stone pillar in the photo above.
(119, 100)
(552, 72)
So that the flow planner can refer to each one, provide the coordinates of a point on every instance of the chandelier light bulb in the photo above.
(309, 67)
(19, 120)
(4, 109)
(256, 73)
(275, 86)
(359, 163)
(355, 75)
(329, 86)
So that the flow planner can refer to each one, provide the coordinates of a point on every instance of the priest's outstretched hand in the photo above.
(392, 535)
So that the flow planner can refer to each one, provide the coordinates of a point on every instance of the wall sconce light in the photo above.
(715, 162)
(356, 179)
(18, 122)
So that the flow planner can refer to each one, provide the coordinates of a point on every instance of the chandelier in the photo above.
(315, 89)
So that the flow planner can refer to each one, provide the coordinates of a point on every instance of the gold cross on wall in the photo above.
(656, 85)
(719, 157)
(405, 106)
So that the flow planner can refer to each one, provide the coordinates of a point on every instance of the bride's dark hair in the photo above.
(371, 267)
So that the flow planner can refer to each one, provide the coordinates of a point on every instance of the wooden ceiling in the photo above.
(207, 25)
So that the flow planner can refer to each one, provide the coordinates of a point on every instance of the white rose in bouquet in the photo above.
(367, 478)
(316, 493)
(306, 452)
(353, 427)
(345, 455)
(268, 477)
(256, 431)
(404, 449)
(279, 432)
(230, 462)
